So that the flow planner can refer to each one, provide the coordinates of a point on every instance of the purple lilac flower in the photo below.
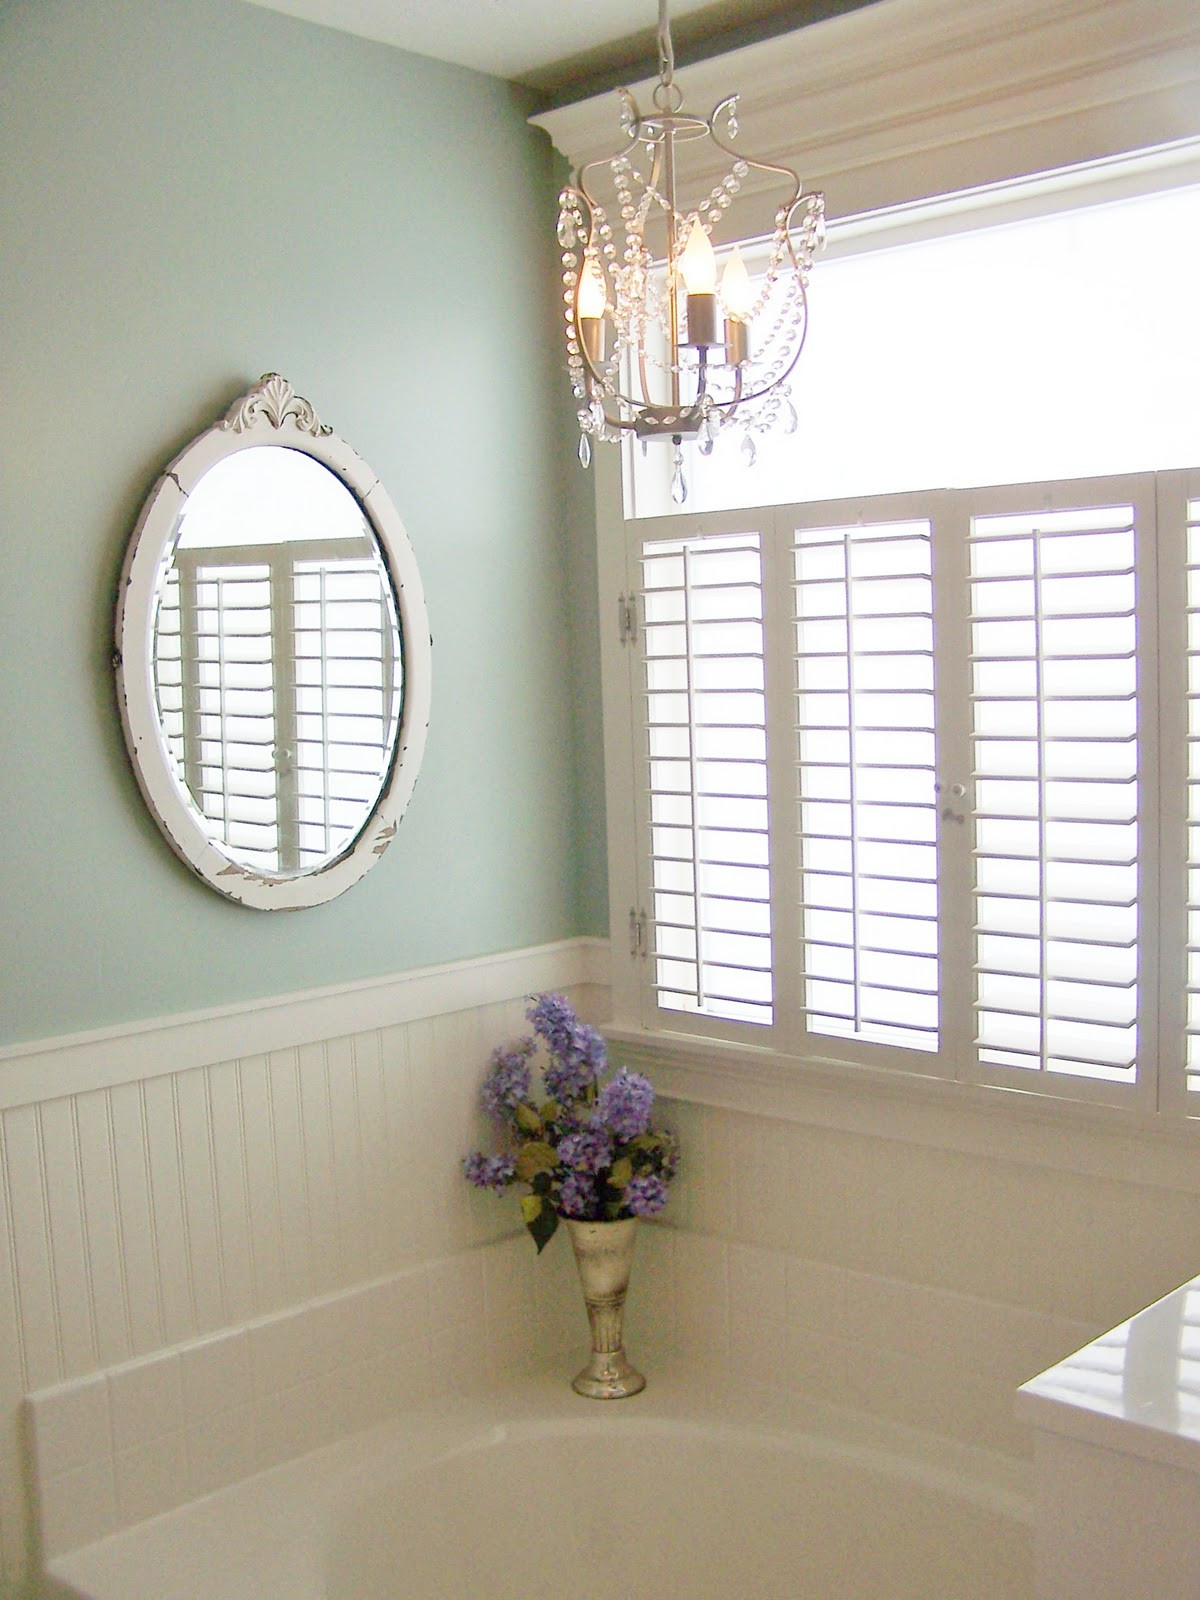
(589, 1150)
(509, 1080)
(577, 1051)
(645, 1194)
(625, 1103)
(489, 1172)
(577, 1197)
(553, 1020)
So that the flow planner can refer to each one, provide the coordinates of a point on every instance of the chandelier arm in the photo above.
(579, 178)
(725, 412)
(701, 376)
(593, 374)
(759, 166)
(668, 142)
(652, 188)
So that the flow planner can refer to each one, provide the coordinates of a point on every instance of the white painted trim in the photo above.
(910, 98)
(980, 1120)
(76, 1063)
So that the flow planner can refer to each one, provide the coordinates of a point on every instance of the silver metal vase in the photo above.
(604, 1255)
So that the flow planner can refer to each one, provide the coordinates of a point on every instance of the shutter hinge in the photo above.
(627, 619)
(639, 941)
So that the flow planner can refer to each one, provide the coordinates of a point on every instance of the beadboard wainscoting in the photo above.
(165, 1182)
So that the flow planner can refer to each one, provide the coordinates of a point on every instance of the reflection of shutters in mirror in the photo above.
(1056, 758)
(868, 823)
(278, 678)
(707, 769)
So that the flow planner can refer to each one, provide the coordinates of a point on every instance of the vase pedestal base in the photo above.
(604, 1255)
(608, 1376)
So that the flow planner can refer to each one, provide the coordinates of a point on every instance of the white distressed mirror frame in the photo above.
(269, 413)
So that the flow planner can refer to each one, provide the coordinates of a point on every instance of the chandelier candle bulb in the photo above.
(591, 303)
(737, 296)
(698, 269)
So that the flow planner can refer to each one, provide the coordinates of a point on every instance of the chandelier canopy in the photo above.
(662, 339)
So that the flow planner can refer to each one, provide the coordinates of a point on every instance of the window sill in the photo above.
(975, 1119)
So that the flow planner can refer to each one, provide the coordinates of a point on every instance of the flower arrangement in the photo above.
(584, 1143)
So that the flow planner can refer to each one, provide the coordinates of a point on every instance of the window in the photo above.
(898, 787)
(967, 341)
(914, 774)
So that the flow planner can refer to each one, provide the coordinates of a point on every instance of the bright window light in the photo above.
(1065, 345)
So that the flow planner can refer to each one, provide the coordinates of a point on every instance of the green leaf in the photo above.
(541, 1220)
(620, 1173)
(536, 1156)
(550, 1111)
(527, 1118)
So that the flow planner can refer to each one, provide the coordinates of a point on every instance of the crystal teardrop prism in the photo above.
(749, 450)
(585, 451)
(790, 420)
(678, 481)
(704, 438)
(566, 230)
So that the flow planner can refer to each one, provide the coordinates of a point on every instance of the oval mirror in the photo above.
(273, 656)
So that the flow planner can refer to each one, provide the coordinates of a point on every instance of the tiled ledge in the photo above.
(125, 1444)
(120, 1446)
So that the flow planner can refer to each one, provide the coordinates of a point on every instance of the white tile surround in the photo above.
(119, 1446)
(208, 1265)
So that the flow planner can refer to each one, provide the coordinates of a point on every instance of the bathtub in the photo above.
(697, 1489)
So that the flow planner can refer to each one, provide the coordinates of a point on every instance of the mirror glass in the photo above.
(273, 656)
(278, 667)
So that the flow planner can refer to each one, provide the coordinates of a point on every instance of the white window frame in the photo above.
(1159, 1094)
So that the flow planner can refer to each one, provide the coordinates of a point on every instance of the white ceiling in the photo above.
(508, 38)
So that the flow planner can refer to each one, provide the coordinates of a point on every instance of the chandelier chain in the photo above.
(666, 50)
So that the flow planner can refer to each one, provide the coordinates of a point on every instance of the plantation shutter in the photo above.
(706, 776)
(898, 782)
(863, 631)
(1057, 747)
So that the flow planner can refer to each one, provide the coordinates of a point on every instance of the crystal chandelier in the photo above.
(655, 344)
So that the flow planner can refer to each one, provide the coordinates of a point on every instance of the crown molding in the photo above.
(909, 98)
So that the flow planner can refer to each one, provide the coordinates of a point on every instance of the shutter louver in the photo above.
(868, 842)
(1055, 740)
(707, 764)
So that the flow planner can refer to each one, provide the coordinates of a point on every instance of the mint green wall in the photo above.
(193, 192)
